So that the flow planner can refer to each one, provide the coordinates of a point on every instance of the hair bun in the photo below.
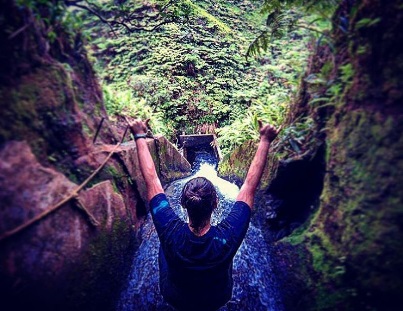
(195, 198)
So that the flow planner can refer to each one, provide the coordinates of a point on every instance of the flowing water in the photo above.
(254, 284)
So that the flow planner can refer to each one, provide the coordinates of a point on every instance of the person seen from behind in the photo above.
(195, 258)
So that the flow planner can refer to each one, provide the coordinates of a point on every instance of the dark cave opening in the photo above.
(292, 196)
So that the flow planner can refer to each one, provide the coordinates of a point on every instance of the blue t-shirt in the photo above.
(196, 272)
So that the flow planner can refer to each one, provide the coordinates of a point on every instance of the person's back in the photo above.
(196, 271)
(195, 259)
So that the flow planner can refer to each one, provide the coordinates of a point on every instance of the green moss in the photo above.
(353, 237)
(86, 129)
(39, 97)
(105, 267)
(112, 170)
(115, 187)
(238, 162)
(73, 178)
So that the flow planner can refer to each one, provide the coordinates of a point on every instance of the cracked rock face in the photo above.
(37, 264)
(51, 244)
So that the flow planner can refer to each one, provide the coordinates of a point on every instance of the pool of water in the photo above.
(255, 287)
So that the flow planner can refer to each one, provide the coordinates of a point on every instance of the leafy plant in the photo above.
(288, 16)
(367, 22)
(334, 87)
(54, 16)
(194, 75)
(122, 103)
(245, 126)
(296, 138)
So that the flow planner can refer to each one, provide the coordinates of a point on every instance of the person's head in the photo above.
(199, 198)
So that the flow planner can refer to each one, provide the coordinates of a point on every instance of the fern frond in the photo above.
(282, 19)
(271, 17)
(278, 23)
(260, 43)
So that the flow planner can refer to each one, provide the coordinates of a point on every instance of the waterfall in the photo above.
(255, 287)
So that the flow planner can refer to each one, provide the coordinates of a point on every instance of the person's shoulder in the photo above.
(158, 197)
(238, 216)
(241, 207)
(158, 202)
(242, 204)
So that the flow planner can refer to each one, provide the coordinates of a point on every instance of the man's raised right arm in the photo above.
(247, 193)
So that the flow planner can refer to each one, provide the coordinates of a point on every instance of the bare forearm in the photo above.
(258, 164)
(147, 168)
(146, 162)
(247, 193)
(248, 189)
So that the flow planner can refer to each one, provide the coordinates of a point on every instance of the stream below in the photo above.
(254, 285)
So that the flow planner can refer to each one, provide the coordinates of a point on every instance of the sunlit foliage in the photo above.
(194, 73)
(284, 17)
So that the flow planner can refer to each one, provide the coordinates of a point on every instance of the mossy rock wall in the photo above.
(347, 254)
(79, 256)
